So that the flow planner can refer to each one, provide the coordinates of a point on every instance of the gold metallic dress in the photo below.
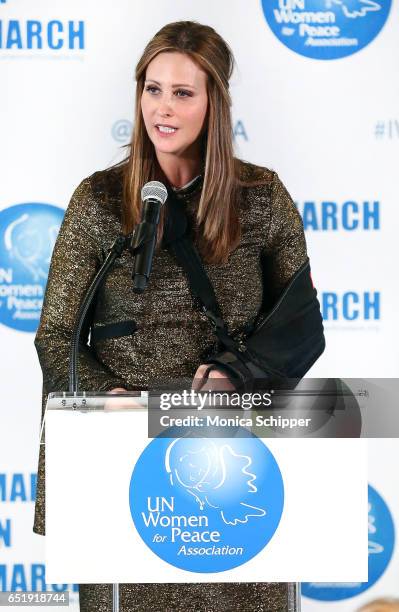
(170, 341)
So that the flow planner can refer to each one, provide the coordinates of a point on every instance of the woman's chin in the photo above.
(168, 148)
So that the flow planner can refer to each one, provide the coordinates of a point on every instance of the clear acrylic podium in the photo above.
(95, 448)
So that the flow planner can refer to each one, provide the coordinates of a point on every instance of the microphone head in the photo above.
(154, 190)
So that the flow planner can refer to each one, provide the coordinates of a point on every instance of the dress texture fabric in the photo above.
(171, 339)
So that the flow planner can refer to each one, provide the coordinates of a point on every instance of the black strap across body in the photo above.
(284, 340)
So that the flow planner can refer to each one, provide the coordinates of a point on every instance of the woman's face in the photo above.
(174, 103)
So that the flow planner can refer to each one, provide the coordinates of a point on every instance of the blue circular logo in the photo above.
(206, 505)
(122, 130)
(381, 545)
(326, 29)
(27, 236)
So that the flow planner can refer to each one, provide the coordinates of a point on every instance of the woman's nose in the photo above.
(165, 104)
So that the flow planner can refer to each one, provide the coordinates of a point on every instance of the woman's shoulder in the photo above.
(99, 194)
(96, 202)
(262, 188)
(107, 184)
(252, 175)
(262, 181)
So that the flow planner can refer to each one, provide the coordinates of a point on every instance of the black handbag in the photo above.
(275, 349)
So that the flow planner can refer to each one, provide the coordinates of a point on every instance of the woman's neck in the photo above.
(179, 171)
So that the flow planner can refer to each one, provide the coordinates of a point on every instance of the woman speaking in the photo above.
(237, 213)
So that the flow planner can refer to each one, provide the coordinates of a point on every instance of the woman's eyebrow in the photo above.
(175, 85)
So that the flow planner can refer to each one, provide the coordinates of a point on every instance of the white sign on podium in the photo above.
(123, 508)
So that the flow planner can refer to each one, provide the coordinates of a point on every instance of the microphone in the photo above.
(153, 196)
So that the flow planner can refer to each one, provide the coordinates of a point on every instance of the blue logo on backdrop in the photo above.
(332, 216)
(326, 29)
(53, 35)
(122, 130)
(381, 545)
(351, 305)
(27, 237)
(206, 505)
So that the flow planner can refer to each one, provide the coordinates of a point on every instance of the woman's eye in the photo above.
(180, 93)
(151, 88)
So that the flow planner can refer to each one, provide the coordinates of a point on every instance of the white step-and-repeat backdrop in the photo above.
(315, 97)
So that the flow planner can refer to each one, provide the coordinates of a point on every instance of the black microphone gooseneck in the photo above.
(115, 252)
(141, 244)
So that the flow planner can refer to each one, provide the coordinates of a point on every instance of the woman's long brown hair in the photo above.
(217, 213)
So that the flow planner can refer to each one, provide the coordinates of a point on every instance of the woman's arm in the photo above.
(292, 339)
(285, 245)
(76, 258)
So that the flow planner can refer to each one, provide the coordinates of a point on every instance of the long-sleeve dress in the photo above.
(171, 339)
